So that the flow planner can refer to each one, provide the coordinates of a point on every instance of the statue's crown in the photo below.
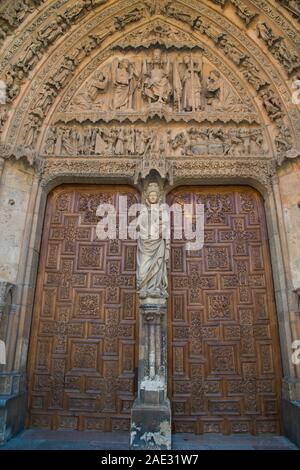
(153, 187)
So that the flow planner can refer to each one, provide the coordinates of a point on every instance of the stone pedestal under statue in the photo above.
(151, 412)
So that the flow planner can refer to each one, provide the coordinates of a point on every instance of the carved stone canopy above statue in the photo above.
(140, 85)
(157, 33)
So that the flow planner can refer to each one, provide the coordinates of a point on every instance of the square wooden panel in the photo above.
(89, 305)
(37, 402)
(73, 383)
(84, 356)
(67, 422)
(220, 307)
(223, 359)
(218, 258)
(91, 257)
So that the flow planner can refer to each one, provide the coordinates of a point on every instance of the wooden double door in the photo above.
(223, 355)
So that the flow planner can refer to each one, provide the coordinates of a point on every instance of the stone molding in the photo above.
(244, 170)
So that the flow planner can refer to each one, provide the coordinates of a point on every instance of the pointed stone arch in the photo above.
(188, 16)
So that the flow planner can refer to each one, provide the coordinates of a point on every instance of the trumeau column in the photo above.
(151, 412)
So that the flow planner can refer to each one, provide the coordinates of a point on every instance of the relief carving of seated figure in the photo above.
(156, 85)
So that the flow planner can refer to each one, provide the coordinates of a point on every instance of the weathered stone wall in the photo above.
(289, 182)
(15, 190)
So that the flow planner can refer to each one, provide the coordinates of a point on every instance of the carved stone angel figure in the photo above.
(153, 246)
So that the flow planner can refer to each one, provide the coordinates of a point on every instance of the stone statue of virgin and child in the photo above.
(153, 245)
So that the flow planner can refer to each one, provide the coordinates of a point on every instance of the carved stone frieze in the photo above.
(184, 87)
(170, 85)
(93, 168)
(191, 170)
(256, 169)
(175, 141)
(209, 57)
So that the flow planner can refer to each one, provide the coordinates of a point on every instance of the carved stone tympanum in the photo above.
(159, 82)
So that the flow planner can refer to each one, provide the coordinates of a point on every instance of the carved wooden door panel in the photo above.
(224, 362)
(83, 342)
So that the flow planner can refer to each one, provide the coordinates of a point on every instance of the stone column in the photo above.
(151, 412)
(7, 381)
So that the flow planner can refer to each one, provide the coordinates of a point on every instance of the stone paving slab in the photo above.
(36, 439)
